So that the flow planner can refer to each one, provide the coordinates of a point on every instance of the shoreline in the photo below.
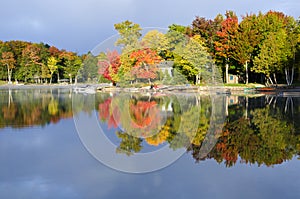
(104, 87)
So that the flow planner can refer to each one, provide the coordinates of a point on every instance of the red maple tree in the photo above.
(110, 66)
(144, 63)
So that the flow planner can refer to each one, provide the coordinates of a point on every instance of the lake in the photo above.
(55, 143)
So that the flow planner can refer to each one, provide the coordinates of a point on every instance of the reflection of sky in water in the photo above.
(51, 162)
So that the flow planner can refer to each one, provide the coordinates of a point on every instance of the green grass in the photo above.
(250, 85)
(2, 82)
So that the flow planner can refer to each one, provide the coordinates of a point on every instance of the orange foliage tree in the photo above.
(144, 64)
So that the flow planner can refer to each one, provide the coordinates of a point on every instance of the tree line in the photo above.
(261, 48)
(37, 62)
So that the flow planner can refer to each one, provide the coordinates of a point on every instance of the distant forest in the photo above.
(261, 48)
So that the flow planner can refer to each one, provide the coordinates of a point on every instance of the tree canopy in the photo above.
(262, 47)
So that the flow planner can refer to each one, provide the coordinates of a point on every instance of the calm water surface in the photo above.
(255, 154)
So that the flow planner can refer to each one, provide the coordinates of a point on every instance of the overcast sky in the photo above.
(79, 25)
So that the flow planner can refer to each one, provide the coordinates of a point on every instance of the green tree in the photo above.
(191, 58)
(272, 54)
(293, 32)
(71, 65)
(155, 40)
(129, 35)
(129, 144)
(245, 43)
(274, 49)
(89, 70)
(45, 73)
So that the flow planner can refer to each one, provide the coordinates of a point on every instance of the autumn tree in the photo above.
(226, 36)
(52, 65)
(8, 61)
(16, 47)
(207, 29)
(245, 43)
(109, 65)
(31, 64)
(145, 64)
(55, 52)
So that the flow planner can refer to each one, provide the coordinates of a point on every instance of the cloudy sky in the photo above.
(79, 25)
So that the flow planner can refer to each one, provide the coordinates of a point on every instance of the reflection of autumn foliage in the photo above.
(27, 110)
(264, 139)
(106, 114)
(33, 117)
(228, 152)
(159, 138)
(114, 118)
(143, 113)
(9, 112)
(104, 109)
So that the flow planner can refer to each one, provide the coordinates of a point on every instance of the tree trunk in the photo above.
(9, 97)
(275, 80)
(247, 75)
(289, 77)
(270, 79)
(198, 78)
(76, 77)
(9, 72)
(226, 73)
(292, 76)
(58, 79)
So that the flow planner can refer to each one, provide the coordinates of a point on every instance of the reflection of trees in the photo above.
(33, 107)
(193, 122)
(129, 144)
(157, 120)
(161, 136)
(266, 138)
(136, 116)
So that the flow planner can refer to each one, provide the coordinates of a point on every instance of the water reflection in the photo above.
(157, 119)
(24, 108)
(258, 130)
